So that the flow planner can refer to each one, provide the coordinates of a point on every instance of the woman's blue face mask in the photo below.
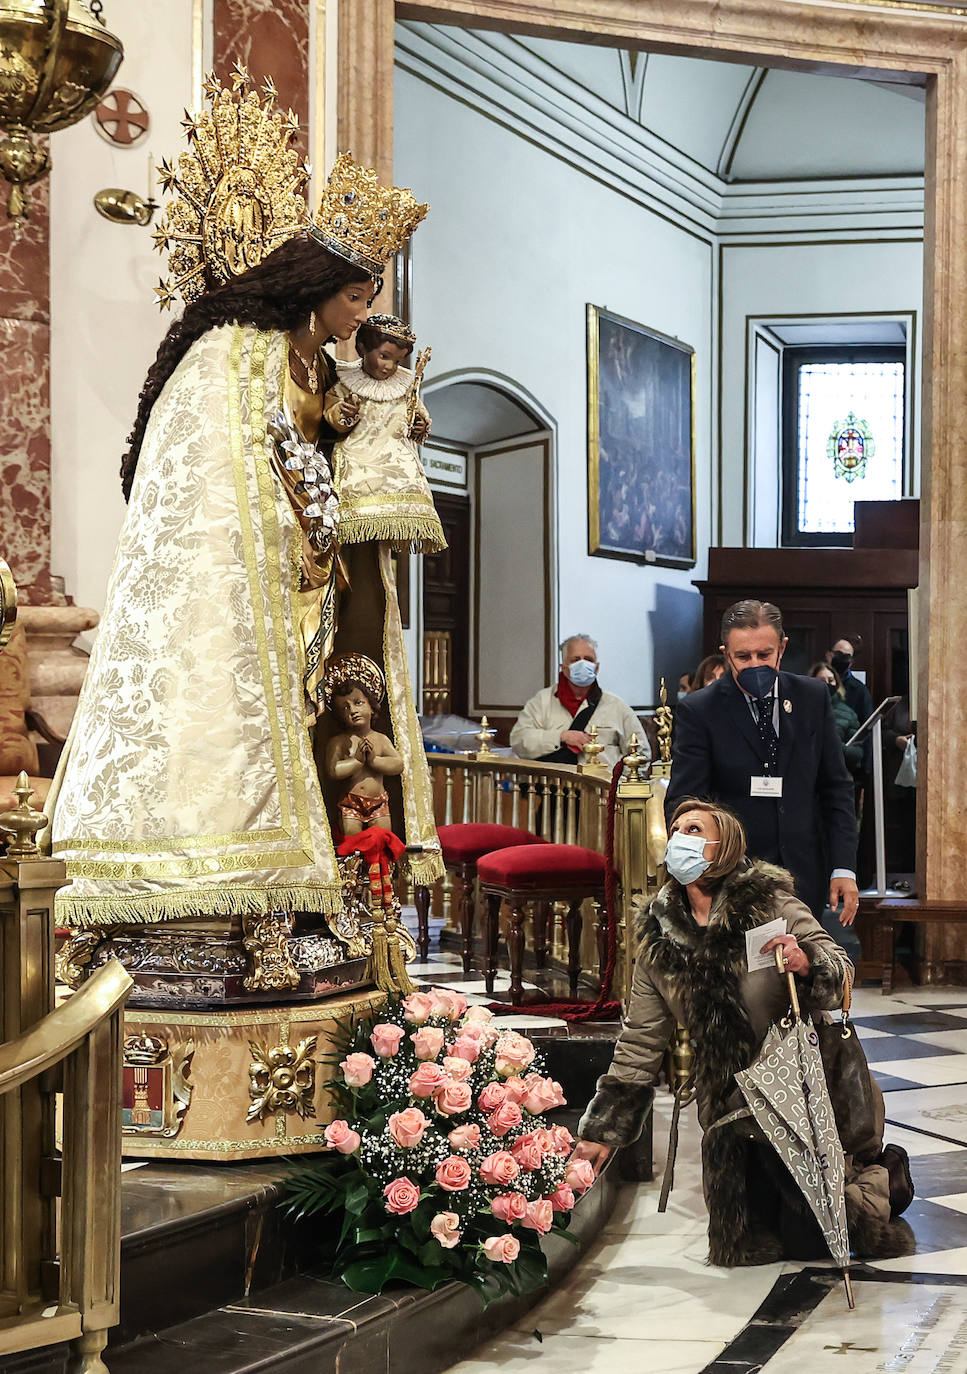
(685, 856)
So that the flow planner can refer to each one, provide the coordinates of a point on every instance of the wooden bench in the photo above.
(894, 911)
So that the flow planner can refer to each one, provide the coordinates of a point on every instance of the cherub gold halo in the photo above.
(353, 668)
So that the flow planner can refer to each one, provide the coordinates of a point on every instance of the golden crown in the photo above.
(362, 220)
(393, 327)
(240, 189)
(354, 668)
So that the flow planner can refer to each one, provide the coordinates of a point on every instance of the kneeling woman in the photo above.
(691, 969)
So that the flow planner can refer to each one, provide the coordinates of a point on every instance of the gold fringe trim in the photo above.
(419, 534)
(150, 908)
(425, 869)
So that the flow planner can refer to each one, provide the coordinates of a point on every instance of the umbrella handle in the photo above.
(791, 979)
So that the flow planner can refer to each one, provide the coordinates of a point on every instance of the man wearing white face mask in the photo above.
(553, 726)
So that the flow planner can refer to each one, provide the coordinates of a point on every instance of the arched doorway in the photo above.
(489, 602)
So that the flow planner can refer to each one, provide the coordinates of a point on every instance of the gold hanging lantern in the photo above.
(57, 59)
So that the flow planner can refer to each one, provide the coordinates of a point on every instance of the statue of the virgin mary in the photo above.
(188, 805)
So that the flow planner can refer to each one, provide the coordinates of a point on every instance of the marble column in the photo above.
(47, 613)
(365, 97)
(270, 41)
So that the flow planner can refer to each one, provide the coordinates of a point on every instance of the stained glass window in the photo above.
(847, 443)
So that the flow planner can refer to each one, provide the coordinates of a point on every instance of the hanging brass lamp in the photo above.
(57, 58)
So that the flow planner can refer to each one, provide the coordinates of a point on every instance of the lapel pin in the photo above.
(787, 706)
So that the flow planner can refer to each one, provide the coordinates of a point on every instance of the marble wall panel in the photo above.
(25, 451)
(25, 258)
(270, 38)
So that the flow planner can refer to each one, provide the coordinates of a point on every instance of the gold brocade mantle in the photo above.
(187, 786)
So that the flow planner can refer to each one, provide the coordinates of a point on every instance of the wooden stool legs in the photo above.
(492, 936)
(468, 902)
(421, 900)
(574, 927)
(515, 951)
(543, 914)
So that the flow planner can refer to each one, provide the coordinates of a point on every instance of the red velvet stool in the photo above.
(463, 845)
(550, 873)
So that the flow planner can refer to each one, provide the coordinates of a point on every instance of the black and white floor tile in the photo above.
(645, 1299)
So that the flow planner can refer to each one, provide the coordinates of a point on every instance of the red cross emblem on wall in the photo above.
(121, 118)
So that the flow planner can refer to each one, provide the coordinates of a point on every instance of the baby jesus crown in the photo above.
(348, 668)
(361, 220)
(392, 326)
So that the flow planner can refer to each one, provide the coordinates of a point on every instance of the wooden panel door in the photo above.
(446, 593)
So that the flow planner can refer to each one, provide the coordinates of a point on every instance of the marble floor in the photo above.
(644, 1298)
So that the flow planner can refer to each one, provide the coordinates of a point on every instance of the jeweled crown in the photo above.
(363, 221)
(353, 668)
(393, 327)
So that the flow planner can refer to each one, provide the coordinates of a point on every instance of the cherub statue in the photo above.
(358, 754)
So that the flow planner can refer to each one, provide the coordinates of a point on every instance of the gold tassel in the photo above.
(382, 976)
(404, 983)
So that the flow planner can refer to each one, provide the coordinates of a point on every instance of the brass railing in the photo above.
(564, 806)
(60, 1211)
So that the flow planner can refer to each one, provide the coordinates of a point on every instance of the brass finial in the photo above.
(482, 737)
(592, 753)
(23, 823)
(663, 719)
(633, 761)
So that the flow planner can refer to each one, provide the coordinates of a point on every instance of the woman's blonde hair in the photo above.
(732, 841)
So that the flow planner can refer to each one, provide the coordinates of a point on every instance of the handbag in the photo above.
(848, 1078)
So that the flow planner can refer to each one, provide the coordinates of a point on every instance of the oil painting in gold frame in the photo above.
(641, 443)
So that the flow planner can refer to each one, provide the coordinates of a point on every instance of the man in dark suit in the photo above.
(764, 743)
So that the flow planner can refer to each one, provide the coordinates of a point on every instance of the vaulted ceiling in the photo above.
(751, 123)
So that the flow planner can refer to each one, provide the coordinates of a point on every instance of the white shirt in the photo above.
(544, 720)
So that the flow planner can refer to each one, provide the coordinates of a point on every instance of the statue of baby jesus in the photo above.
(359, 755)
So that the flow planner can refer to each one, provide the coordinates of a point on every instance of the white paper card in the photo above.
(765, 787)
(755, 939)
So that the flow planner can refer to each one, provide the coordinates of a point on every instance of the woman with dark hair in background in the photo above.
(847, 721)
(708, 671)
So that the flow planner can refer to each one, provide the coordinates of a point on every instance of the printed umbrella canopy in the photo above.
(785, 1089)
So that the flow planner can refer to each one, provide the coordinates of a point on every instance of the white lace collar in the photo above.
(371, 388)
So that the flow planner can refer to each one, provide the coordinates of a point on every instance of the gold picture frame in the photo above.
(641, 443)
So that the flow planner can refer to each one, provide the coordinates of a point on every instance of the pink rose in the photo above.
(543, 1096)
(358, 1069)
(445, 1227)
(539, 1216)
(505, 1118)
(516, 1089)
(544, 1141)
(491, 1096)
(478, 1014)
(386, 1039)
(499, 1169)
(450, 1099)
(401, 1196)
(562, 1199)
(562, 1140)
(579, 1175)
(514, 1054)
(447, 1004)
(509, 1207)
(464, 1138)
(416, 1008)
(527, 1152)
(340, 1137)
(427, 1079)
(454, 1174)
(459, 1069)
(427, 1042)
(465, 1048)
(502, 1249)
(407, 1127)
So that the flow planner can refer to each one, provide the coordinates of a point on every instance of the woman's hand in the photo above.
(349, 411)
(795, 957)
(595, 1154)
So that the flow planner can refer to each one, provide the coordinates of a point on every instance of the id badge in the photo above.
(766, 787)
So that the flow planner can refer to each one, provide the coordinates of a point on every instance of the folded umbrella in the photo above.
(786, 1093)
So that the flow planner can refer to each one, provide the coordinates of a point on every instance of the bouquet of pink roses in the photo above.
(449, 1169)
